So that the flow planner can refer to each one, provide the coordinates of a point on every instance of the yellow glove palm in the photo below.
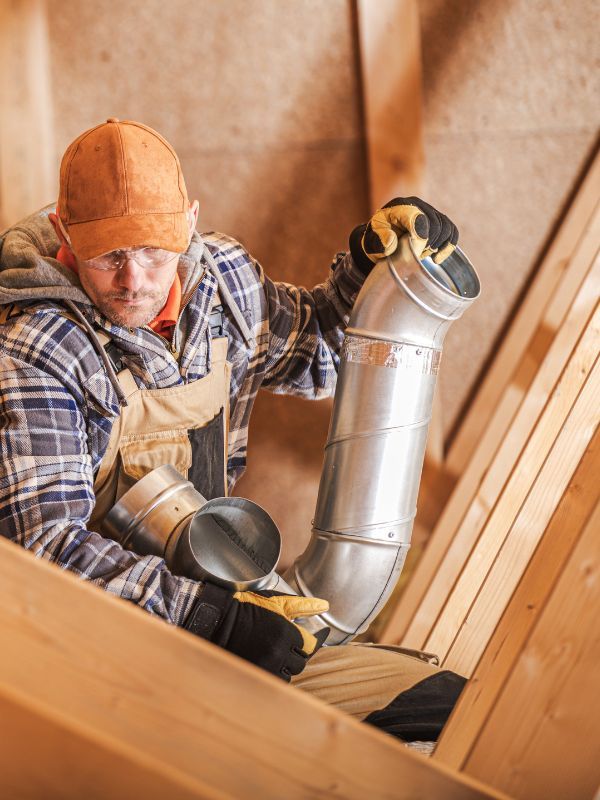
(431, 233)
(290, 607)
(259, 626)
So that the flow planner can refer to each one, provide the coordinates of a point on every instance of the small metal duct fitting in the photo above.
(377, 436)
(229, 540)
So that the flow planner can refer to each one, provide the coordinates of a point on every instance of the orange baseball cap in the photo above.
(121, 185)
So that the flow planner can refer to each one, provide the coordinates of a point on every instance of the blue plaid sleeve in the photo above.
(46, 494)
(306, 330)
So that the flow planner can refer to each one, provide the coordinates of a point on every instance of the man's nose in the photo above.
(130, 276)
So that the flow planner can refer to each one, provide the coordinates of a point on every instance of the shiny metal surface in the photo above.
(146, 516)
(377, 436)
(230, 541)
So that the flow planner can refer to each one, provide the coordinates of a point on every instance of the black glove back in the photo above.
(432, 233)
(258, 626)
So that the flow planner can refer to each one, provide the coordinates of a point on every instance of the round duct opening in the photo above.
(455, 274)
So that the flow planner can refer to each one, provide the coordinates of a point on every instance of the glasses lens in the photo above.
(146, 257)
(152, 256)
(112, 260)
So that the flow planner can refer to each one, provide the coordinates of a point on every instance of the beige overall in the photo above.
(152, 430)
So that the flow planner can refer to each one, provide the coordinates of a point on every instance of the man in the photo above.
(129, 341)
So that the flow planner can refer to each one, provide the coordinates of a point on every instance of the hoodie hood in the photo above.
(29, 270)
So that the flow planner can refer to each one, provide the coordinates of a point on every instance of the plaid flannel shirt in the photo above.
(57, 406)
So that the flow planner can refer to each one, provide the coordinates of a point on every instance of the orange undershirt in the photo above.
(164, 322)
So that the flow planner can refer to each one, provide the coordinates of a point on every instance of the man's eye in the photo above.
(106, 259)
(110, 258)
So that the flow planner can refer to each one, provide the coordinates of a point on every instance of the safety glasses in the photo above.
(146, 257)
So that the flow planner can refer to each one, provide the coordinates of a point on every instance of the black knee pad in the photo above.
(420, 713)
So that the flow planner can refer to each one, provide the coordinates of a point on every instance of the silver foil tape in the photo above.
(379, 353)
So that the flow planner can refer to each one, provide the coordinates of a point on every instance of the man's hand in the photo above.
(431, 233)
(258, 626)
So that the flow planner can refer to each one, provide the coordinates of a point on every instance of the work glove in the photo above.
(258, 626)
(431, 233)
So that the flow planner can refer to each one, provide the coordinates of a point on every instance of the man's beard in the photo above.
(133, 317)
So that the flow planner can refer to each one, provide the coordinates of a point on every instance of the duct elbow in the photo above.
(355, 575)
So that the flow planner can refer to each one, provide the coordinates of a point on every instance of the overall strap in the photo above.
(228, 297)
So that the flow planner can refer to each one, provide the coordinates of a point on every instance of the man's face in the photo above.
(131, 296)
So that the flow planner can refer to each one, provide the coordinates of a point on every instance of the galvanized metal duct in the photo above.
(376, 443)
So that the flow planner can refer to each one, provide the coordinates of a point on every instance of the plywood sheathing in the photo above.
(511, 115)
(98, 699)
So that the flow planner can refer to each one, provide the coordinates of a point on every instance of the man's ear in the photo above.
(193, 216)
(54, 220)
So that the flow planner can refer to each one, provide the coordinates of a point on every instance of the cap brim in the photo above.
(165, 231)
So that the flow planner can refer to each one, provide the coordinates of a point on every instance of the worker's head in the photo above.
(124, 213)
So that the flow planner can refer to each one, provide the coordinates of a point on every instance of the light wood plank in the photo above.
(548, 278)
(390, 56)
(456, 532)
(526, 531)
(563, 409)
(576, 510)
(542, 737)
(60, 771)
(95, 666)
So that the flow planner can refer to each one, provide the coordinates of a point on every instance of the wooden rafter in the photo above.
(541, 737)
(578, 510)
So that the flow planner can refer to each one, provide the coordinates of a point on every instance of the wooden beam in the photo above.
(542, 737)
(390, 50)
(459, 525)
(84, 673)
(574, 513)
(528, 322)
(28, 174)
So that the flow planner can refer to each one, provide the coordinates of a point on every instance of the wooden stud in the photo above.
(542, 737)
(28, 176)
(390, 49)
(88, 669)
(574, 512)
